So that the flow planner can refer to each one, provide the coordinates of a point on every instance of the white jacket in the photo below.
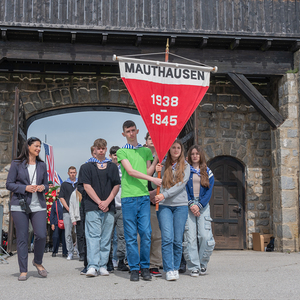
(74, 207)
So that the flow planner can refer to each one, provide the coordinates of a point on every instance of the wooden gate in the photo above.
(227, 203)
(19, 137)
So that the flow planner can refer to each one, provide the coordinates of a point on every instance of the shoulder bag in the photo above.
(60, 223)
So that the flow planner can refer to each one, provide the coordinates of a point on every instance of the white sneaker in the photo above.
(195, 273)
(91, 272)
(103, 272)
(203, 270)
(170, 276)
(70, 256)
(176, 274)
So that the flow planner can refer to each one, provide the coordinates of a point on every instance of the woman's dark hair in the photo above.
(25, 152)
(204, 180)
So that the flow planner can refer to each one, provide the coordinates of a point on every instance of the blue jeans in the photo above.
(172, 221)
(98, 230)
(136, 218)
(199, 240)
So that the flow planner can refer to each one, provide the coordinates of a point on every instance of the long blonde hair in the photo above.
(169, 179)
(78, 195)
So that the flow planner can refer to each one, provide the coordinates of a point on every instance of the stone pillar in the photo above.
(4, 197)
(285, 167)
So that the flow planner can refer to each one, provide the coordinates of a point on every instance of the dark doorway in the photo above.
(227, 203)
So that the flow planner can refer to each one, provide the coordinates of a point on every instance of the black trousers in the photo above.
(57, 236)
(38, 221)
(80, 237)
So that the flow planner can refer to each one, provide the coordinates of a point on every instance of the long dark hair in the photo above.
(25, 152)
(204, 180)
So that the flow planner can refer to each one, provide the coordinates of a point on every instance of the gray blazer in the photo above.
(18, 179)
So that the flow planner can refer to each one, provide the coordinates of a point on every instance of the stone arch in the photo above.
(229, 125)
(228, 203)
(46, 93)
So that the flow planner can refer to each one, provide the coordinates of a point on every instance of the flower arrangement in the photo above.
(51, 196)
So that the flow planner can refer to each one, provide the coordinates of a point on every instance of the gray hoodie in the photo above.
(175, 195)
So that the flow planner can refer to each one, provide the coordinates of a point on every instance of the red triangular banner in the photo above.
(165, 95)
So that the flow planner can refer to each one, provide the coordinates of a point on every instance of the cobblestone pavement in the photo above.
(231, 275)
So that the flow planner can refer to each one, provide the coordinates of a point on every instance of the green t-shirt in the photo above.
(131, 186)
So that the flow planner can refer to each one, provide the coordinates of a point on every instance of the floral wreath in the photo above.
(50, 198)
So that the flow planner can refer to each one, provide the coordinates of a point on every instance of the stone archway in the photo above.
(44, 95)
(227, 203)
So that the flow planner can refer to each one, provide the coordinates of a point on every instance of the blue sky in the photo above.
(72, 135)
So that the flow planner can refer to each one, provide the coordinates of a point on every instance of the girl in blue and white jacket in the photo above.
(198, 237)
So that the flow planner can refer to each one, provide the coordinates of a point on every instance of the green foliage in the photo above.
(293, 71)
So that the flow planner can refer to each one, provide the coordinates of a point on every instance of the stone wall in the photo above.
(4, 197)
(285, 157)
(229, 125)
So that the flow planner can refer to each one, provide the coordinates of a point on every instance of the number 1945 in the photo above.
(159, 120)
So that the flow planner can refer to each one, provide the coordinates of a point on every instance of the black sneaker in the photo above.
(203, 270)
(182, 268)
(84, 270)
(122, 266)
(81, 258)
(146, 274)
(155, 272)
(53, 254)
(110, 266)
(134, 276)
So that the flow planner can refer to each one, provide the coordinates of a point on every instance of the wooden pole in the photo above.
(159, 173)
(14, 156)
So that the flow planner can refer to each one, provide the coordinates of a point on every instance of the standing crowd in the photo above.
(117, 196)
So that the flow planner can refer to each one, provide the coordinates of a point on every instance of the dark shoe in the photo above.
(81, 258)
(83, 272)
(110, 266)
(22, 278)
(122, 266)
(146, 274)
(134, 276)
(43, 273)
(182, 268)
(50, 248)
(155, 272)
(53, 254)
(65, 255)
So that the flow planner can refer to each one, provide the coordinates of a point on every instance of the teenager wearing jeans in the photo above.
(100, 179)
(198, 237)
(173, 208)
(66, 189)
(136, 169)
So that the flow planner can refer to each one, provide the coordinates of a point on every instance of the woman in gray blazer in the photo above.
(27, 179)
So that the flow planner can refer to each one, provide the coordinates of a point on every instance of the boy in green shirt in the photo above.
(136, 170)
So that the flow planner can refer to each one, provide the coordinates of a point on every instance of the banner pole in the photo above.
(159, 173)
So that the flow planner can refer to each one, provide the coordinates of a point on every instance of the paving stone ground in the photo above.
(231, 275)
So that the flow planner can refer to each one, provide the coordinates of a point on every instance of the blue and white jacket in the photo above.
(204, 194)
